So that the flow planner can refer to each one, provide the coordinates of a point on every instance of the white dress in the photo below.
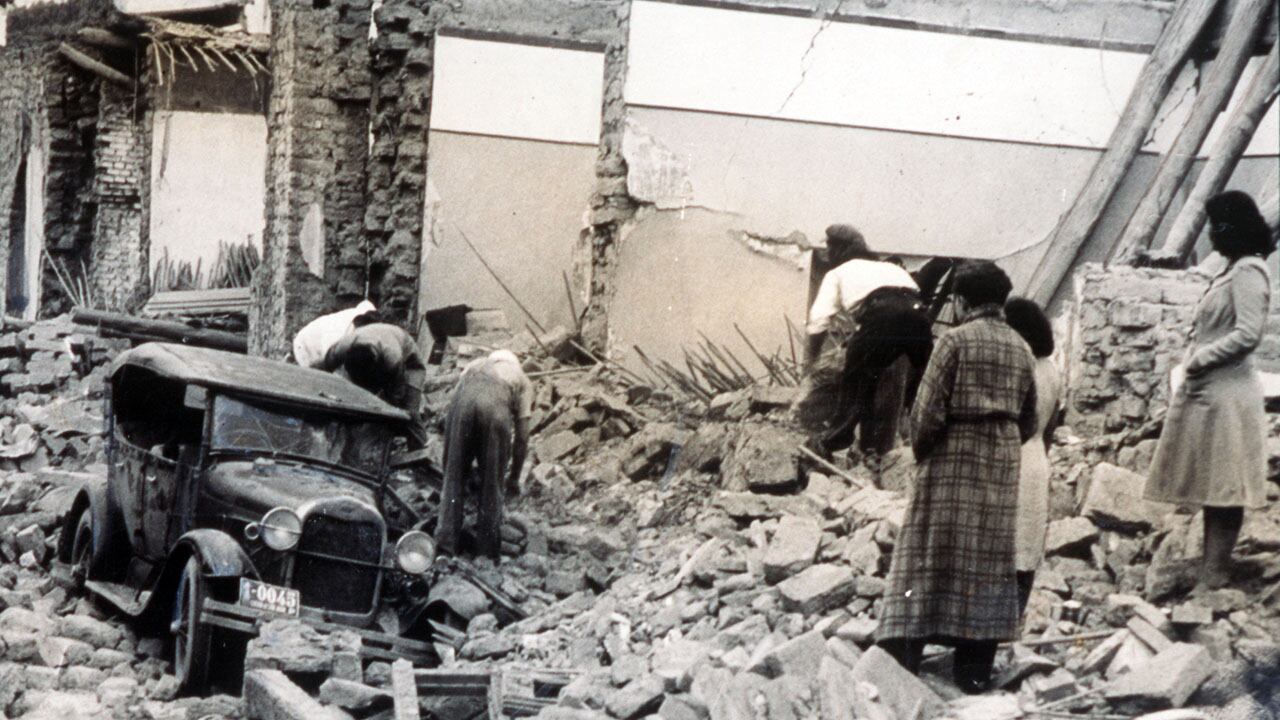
(1033, 474)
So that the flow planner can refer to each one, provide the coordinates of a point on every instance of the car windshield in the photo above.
(350, 443)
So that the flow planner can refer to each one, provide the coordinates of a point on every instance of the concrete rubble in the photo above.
(661, 581)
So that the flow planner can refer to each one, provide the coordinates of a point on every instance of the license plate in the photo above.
(268, 597)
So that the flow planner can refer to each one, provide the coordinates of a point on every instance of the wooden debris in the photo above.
(1216, 88)
(1223, 158)
(135, 328)
(97, 67)
(104, 38)
(1154, 82)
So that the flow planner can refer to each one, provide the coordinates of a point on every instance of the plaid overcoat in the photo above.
(952, 574)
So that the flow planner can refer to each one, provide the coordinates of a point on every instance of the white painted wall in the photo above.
(766, 65)
(519, 91)
(208, 183)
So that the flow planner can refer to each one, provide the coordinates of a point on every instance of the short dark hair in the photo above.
(845, 243)
(1026, 317)
(365, 368)
(981, 282)
(1236, 227)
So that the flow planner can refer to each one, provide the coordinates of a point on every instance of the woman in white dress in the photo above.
(1029, 320)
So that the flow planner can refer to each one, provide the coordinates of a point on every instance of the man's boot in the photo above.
(1221, 530)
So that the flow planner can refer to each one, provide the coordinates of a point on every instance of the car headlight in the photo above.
(415, 552)
(281, 529)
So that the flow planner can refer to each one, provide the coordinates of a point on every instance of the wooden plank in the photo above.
(405, 690)
(97, 67)
(1154, 82)
(1216, 90)
(1223, 158)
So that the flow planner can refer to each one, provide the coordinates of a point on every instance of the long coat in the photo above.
(952, 574)
(1212, 448)
(1034, 472)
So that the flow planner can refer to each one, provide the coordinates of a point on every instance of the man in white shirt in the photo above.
(885, 350)
(487, 424)
(857, 272)
(315, 338)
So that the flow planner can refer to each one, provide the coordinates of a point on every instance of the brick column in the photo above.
(317, 144)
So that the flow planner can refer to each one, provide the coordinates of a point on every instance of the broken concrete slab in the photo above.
(860, 631)
(1115, 501)
(1191, 614)
(637, 699)
(353, 696)
(798, 656)
(899, 690)
(1055, 686)
(1070, 536)
(289, 646)
(1132, 653)
(1165, 681)
(269, 695)
(404, 691)
(793, 548)
(746, 506)
(817, 588)
(763, 460)
(1149, 634)
(674, 663)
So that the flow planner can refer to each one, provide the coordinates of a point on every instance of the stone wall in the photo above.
(1128, 327)
(44, 100)
(314, 252)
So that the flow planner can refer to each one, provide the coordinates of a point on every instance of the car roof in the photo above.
(247, 375)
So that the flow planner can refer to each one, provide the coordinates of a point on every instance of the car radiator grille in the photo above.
(334, 584)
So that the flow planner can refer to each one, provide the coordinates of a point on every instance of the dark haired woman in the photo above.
(1211, 452)
(1029, 320)
(951, 580)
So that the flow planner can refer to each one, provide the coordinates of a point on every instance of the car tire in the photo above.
(192, 639)
(82, 559)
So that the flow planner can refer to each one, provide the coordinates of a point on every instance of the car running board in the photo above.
(127, 599)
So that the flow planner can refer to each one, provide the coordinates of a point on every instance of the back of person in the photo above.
(316, 337)
(989, 386)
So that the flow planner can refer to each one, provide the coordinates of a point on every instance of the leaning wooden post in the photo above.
(1218, 85)
(1223, 158)
(1149, 92)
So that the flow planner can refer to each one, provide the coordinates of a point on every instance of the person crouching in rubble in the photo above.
(1212, 449)
(384, 360)
(951, 580)
(487, 424)
(884, 351)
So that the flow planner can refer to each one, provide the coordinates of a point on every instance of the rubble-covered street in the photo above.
(670, 567)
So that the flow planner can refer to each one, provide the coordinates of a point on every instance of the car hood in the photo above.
(256, 488)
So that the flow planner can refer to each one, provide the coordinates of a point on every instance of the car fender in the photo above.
(221, 558)
(108, 536)
(220, 555)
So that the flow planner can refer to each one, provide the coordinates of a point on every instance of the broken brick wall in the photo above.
(119, 264)
(403, 63)
(1128, 328)
(314, 250)
(49, 103)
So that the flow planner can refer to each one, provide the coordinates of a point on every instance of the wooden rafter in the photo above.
(1216, 89)
(93, 65)
(1223, 158)
(1154, 82)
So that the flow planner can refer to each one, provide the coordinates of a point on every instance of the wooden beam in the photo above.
(145, 329)
(101, 69)
(104, 38)
(1216, 89)
(1154, 82)
(1223, 158)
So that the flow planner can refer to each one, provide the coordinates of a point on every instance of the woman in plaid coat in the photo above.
(952, 576)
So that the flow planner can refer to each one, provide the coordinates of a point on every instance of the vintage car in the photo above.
(241, 489)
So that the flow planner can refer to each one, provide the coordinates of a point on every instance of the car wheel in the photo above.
(82, 550)
(192, 639)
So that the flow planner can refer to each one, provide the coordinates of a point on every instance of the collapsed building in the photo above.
(552, 161)
(654, 175)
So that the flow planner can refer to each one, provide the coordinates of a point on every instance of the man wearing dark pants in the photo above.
(488, 425)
